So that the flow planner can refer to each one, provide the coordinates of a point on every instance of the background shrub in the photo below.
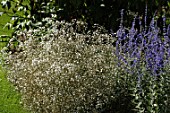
(106, 13)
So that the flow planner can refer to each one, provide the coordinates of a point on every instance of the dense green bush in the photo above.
(103, 12)
(106, 12)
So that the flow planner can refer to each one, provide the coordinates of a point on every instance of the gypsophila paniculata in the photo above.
(59, 70)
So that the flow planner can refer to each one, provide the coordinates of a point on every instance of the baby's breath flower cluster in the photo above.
(62, 71)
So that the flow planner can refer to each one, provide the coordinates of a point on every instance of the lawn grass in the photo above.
(9, 98)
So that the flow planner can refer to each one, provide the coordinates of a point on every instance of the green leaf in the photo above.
(85, 4)
(4, 3)
(9, 25)
(169, 4)
(139, 105)
(1, 13)
(20, 8)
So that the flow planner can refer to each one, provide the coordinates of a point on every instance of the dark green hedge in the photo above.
(103, 12)
(107, 12)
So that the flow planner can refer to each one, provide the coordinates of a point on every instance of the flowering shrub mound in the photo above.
(55, 75)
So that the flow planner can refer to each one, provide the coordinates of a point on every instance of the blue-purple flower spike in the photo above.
(164, 23)
(152, 24)
(140, 25)
(121, 32)
(146, 10)
(121, 20)
(168, 30)
(144, 47)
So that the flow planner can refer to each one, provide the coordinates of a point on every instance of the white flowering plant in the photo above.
(57, 69)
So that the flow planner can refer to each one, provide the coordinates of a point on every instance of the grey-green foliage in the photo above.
(59, 72)
(152, 94)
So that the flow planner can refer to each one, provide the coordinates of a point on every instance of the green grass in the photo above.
(9, 98)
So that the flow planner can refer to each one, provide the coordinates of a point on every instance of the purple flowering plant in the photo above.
(144, 45)
(144, 54)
